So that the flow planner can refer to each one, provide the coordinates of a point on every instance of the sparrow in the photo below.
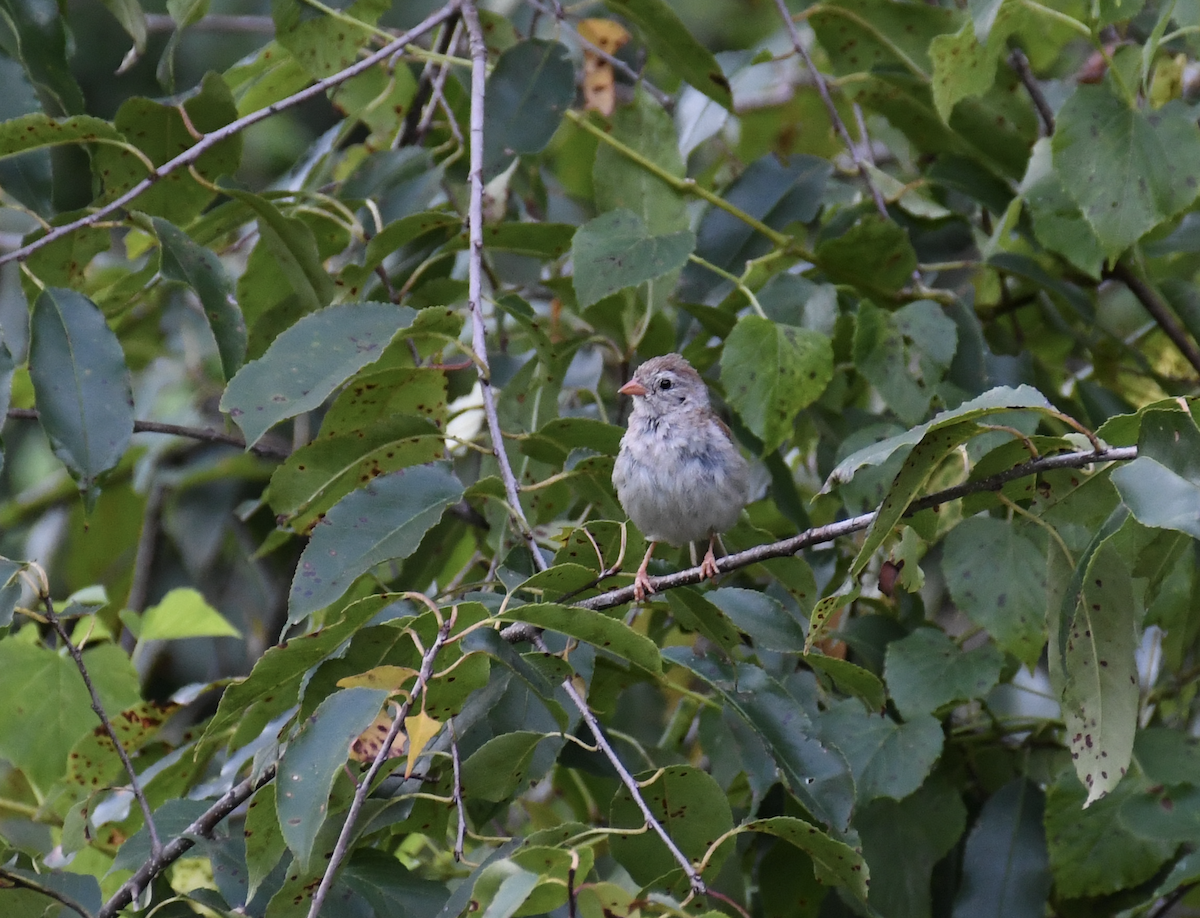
(679, 475)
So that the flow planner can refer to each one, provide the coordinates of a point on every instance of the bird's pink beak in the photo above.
(633, 387)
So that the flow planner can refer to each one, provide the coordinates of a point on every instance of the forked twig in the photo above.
(364, 786)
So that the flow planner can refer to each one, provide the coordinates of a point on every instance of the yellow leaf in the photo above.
(391, 678)
(599, 87)
(421, 728)
(366, 747)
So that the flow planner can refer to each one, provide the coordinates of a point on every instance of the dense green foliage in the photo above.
(959, 690)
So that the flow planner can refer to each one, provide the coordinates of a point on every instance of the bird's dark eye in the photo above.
(664, 384)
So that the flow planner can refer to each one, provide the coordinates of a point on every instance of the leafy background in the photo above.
(315, 589)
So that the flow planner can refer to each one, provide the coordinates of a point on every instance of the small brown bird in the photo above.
(678, 474)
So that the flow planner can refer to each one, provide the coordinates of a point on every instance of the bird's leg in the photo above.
(708, 567)
(641, 580)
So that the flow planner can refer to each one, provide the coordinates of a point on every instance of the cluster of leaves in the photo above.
(253, 440)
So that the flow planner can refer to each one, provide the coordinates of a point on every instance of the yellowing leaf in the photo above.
(599, 89)
(391, 678)
(366, 747)
(421, 728)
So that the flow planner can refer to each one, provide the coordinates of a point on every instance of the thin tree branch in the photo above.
(461, 833)
(838, 124)
(1020, 65)
(823, 534)
(43, 589)
(694, 878)
(475, 277)
(180, 845)
(7, 877)
(193, 153)
(1159, 310)
(364, 785)
(205, 435)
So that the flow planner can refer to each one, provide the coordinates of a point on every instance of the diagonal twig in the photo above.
(180, 845)
(838, 124)
(42, 585)
(193, 153)
(1153, 304)
(364, 785)
(1020, 65)
(8, 878)
(694, 879)
(475, 277)
(822, 534)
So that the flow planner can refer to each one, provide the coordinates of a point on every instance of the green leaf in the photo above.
(1158, 497)
(499, 767)
(669, 38)
(183, 613)
(616, 250)
(834, 862)
(161, 133)
(324, 44)
(1058, 223)
(1100, 703)
(528, 90)
(390, 887)
(888, 759)
(1006, 867)
(771, 371)
(850, 678)
(274, 684)
(293, 247)
(926, 671)
(502, 889)
(42, 39)
(770, 191)
(760, 616)
(991, 402)
(997, 575)
(11, 588)
(919, 465)
(308, 362)
(49, 708)
(693, 827)
(604, 631)
(1164, 813)
(35, 131)
(1091, 851)
(817, 774)
(264, 839)
(384, 521)
(903, 841)
(1167, 756)
(184, 261)
(313, 758)
(81, 384)
(905, 354)
(873, 254)
(622, 184)
(315, 477)
(1127, 169)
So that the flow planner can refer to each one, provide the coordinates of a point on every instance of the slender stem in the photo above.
(8, 878)
(204, 435)
(193, 153)
(733, 279)
(694, 878)
(1154, 305)
(181, 844)
(689, 186)
(475, 277)
(823, 534)
(1020, 65)
(460, 805)
(342, 846)
(834, 117)
(43, 587)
